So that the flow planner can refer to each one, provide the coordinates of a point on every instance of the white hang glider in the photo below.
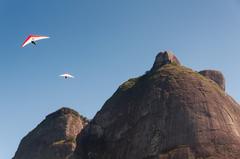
(33, 38)
(66, 76)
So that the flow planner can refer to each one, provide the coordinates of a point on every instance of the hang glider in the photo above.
(66, 76)
(33, 38)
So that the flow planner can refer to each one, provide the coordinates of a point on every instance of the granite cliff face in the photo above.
(54, 138)
(171, 112)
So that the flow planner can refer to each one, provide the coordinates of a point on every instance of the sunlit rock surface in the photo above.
(54, 138)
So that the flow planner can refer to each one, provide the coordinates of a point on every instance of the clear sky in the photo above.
(103, 43)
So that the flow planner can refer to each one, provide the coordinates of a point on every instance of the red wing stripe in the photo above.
(26, 40)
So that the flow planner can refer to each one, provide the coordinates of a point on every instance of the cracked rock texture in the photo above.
(54, 138)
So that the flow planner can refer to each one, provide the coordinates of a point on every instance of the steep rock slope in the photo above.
(171, 112)
(54, 138)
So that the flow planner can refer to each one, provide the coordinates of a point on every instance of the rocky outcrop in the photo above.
(171, 112)
(164, 58)
(54, 138)
(216, 76)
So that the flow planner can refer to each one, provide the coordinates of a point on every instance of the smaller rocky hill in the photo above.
(216, 76)
(53, 138)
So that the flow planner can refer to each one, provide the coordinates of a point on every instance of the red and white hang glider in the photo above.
(33, 38)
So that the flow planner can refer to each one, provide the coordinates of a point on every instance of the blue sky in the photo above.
(103, 43)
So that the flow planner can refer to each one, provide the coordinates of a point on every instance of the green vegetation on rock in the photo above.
(128, 84)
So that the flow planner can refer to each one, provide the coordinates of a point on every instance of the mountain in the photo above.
(170, 112)
(54, 138)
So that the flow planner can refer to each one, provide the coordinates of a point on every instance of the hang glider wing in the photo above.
(33, 39)
(66, 75)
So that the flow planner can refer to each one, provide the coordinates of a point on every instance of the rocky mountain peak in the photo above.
(54, 137)
(164, 58)
(63, 111)
(172, 112)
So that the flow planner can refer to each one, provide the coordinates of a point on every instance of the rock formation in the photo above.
(216, 76)
(171, 112)
(54, 138)
(164, 58)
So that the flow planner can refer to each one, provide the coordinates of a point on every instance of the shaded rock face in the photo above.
(171, 112)
(54, 138)
(216, 76)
